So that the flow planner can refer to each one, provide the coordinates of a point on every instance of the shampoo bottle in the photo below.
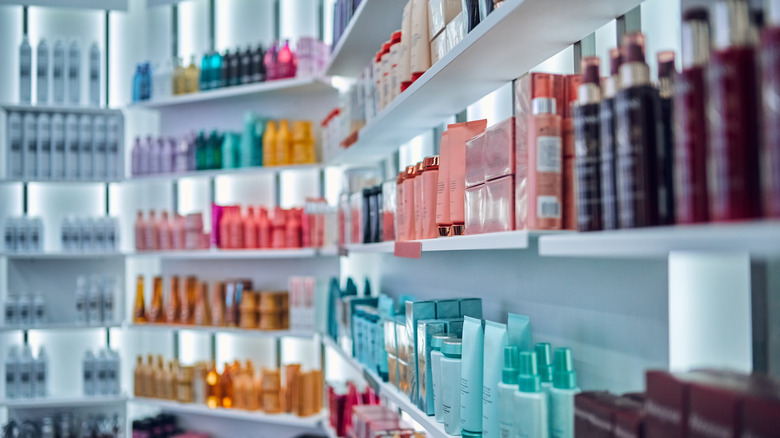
(269, 144)
(30, 146)
(71, 147)
(108, 293)
(25, 372)
(88, 367)
(85, 148)
(562, 395)
(15, 148)
(12, 374)
(113, 161)
(530, 403)
(74, 73)
(283, 144)
(665, 171)
(99, 148)
(39, 374)
(81, 300)
(545, 183)
(608, 143)
(57, 147)
(94, 75)
(58, 73)
(44, 147)
(25, 71)
(450, 372)
(587, 147)
(42, 73)
(155, 307)
(95, 301)
(507, 411)
(139, 312)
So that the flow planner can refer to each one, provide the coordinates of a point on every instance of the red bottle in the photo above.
(224, 228)
(263, 229)
(769, 61)
(140, 232)
(293, 229)
(690, 150)
(733, 150)
(236, 229)
(250, 229)
(307, 223)
(278, 229)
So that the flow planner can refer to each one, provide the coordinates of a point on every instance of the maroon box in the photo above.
(760, 417)
(666, 406)
(713, 411)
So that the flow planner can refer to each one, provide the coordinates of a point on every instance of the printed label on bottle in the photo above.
(548, 207)
(548, 154)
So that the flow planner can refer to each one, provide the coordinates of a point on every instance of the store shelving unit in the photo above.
(547, 27)
(372, 23)
(254, 170)
(59, 326)
(312, 422)
(61, 402)
(237, 254)
(255, 91)
(64, 255)
(102, 5)
(274, 334)
(505, 240)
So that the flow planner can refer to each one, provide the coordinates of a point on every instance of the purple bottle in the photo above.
(137, 157)
(167, 148)
(271, 62)
(146, 156)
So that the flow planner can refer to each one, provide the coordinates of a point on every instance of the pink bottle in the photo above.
(236, 229)
(287, 62)
(278, 232)
(408, 190)
(307, 222)
(418, 203)
(430, 181)
(164, 228)
(271, 63)
(140, 232)
(545, 181)
(152, 232)
(177, 232)
(263, 229)
(224, 228)
(250, 229)
(293, 229)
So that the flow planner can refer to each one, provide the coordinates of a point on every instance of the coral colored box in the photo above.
(524, 94)
(499, 150)
(499, 214)
(475, 160)
(475, 208)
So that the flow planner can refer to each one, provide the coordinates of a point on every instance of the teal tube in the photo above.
(519, 331)
(493, 364)
(471, 377)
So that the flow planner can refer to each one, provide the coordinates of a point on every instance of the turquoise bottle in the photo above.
(248, 139)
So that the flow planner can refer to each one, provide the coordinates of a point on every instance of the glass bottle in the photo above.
(191, 77)
(269, 144)
(139, 313)
(213, 387)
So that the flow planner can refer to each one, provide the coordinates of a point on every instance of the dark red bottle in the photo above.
(609, 211)
(732, 109)
(666, 72)
(587, 147)
(637, 114)
(769, 58)
(690, 133)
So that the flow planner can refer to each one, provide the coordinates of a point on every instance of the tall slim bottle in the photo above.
(666, 74)
(58, 73)
(25, 71)
(139, 312)
(173, 305)
(283, 144)
(733, 154)
(269, 144)
(545, 183)
(637, 114)
(588, 147)
(74, 73)
(42, 73)
(94, 75)
(770, 111)
(608, 143)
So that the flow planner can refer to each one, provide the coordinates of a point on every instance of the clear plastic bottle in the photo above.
(44, 146)
(58, 73)
(108, 291)
(9, 310)
(94, 75)
(42, 73)
(12, 373)
(25, 372)
(74, 73)
(38, 309)
(57, 147)
(95, 300)
(40, 374)
(101, 373)
(88, 367)
(15, 151)
(81, 300)
(35, 233)
(99, 148)
(71, 147)
(85, 148)
(25, 71)
(112, 148)
(30, 145)
(23, 310)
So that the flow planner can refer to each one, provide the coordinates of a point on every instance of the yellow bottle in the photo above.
(148, 377)
(283, 144)
(269, 144)
(156, 306)
(158, 379)
(303, 143)
(139, 313)
(191, 77)
(173, 379)
(179, 78)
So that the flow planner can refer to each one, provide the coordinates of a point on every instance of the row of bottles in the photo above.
(237, 386)
(22, 311)
(25, 375)
(101, 372)
(66, 425)
(23, 234)
(95, 297)
(62, 68)
(261, 143)
(89, 234)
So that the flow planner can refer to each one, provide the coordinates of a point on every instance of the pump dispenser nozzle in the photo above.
(564, 376)
(509, 373)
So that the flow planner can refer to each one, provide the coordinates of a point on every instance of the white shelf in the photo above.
(63, 255)
(481, 63)
(757, 238)
(236, 254)
(101, 5)
(255, 90)
(371, 25)
(234, 414)
(488, 242)
(387, 390)
(383, 247)
(59, 326)
(277, 334)
(222, 172)
(29, 108)
(56, 402)
(54, 181)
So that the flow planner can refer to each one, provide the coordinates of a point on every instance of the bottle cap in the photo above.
(401, 177)
(731, 24)
(438, 340)
(431, 163)
(564, 376)
(633, 48)
(544, 361)
(467, 434)
(509, 373)
(410, 171)
(591, 73)
(695, 33)
(418, 169)
(665, 64)
(452, 347)
(528, 379)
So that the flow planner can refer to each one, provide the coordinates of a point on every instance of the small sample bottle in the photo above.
(450, 371)
(42, 73)
(588, 147)
(530, 403)
(25, 71)
(545, 182)
(733, 133)
(690, 163)
(139, 312)
(562, 395)
(637, 114)
(506, 393)
(409, 207)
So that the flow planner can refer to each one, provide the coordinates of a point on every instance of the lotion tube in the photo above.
(451, 369)
(531, 418)
(436, 356)
(471, 377)
(493, 358)
(506, 392)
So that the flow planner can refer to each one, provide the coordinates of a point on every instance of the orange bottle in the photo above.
(218, 305)
(303, 143)
(202, 312)
(250, 229)
(213, 387)
(263, 229)
(292, 373)
(236, 229)
(545, 155)
(148, 377)
(173, 304)
(188, 299)
(272, 391)
(283, 144)
(156, 306)
(224, 228)
(226, 382)
(139, 313)
(269, 144)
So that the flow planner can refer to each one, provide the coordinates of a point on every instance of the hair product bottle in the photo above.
(587, 143)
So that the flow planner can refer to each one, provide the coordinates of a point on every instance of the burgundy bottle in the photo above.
(271, 62)
(608, 141)
(690, 134)
(234, 73)
(245, 72)
(636, 116)
(258, 65)
(665, 170)
(587, 147)
(733, 150)
(769, 58)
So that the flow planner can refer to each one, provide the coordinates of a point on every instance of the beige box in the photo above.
(441, 12)
(439, 47)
